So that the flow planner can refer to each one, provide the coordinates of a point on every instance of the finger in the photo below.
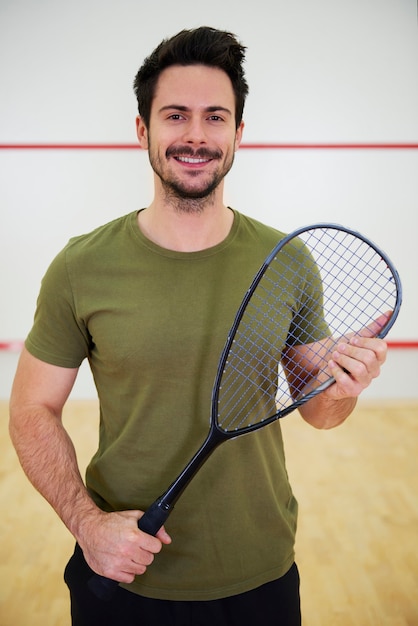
(362, 365)
(163, 536)
(377, 346)
(345, 385)
(367, 349)
(353, 368)
(145, 557)
(374, 328)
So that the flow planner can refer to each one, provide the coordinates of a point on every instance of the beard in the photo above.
(188, 194)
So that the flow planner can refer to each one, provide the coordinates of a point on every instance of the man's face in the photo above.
(192, 135)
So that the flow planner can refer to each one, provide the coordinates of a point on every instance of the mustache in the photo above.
(200, 153)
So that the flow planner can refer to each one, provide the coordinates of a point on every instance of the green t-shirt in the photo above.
(152, 323)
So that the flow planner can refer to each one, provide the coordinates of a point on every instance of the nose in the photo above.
(194, 131)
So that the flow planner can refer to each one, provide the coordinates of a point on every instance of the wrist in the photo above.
(325, 413)
(84, 517)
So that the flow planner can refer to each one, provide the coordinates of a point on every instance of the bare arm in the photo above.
(112, 543)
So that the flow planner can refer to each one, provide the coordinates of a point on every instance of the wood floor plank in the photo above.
(357, 545)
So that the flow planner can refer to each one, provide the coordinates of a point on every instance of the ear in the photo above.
(238, 135)
(141, 132)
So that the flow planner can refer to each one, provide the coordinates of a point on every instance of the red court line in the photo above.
(69, 146)
(400, 344)
(330, 146)
(403, 345)
(11, 346)
(245, 146)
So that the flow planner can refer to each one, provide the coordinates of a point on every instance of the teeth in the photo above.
(190, 160)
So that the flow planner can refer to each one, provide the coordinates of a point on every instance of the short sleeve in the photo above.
(58, 336)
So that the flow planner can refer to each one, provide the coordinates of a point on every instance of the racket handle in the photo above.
(150, 523)
(154, 517)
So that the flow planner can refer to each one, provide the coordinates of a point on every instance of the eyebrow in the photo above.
(180, 107)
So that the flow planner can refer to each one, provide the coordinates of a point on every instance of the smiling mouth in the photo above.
(191, 160)
(185, 154)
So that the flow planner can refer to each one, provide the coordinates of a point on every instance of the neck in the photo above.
(186, 229)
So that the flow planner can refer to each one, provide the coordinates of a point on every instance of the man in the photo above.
(148, 299)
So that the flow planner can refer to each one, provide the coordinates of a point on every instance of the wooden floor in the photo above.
(357, 546)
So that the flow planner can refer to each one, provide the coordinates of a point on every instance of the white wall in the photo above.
(323, 71)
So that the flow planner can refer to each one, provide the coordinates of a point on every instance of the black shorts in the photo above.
(274, 604)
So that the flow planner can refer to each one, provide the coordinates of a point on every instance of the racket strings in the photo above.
(248, 391)
(357, 267)
(319, 289)
(247, 386)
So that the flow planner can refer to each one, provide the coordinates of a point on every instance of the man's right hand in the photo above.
(114, 547)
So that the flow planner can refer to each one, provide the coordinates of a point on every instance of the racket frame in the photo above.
(156, 515)
(158, 512)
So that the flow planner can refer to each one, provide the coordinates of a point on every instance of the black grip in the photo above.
(150, 523)
(154, 517)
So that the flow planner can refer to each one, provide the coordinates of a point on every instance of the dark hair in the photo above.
(205, 46)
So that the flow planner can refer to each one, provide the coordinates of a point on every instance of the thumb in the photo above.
(374, 328)
(163, 536)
